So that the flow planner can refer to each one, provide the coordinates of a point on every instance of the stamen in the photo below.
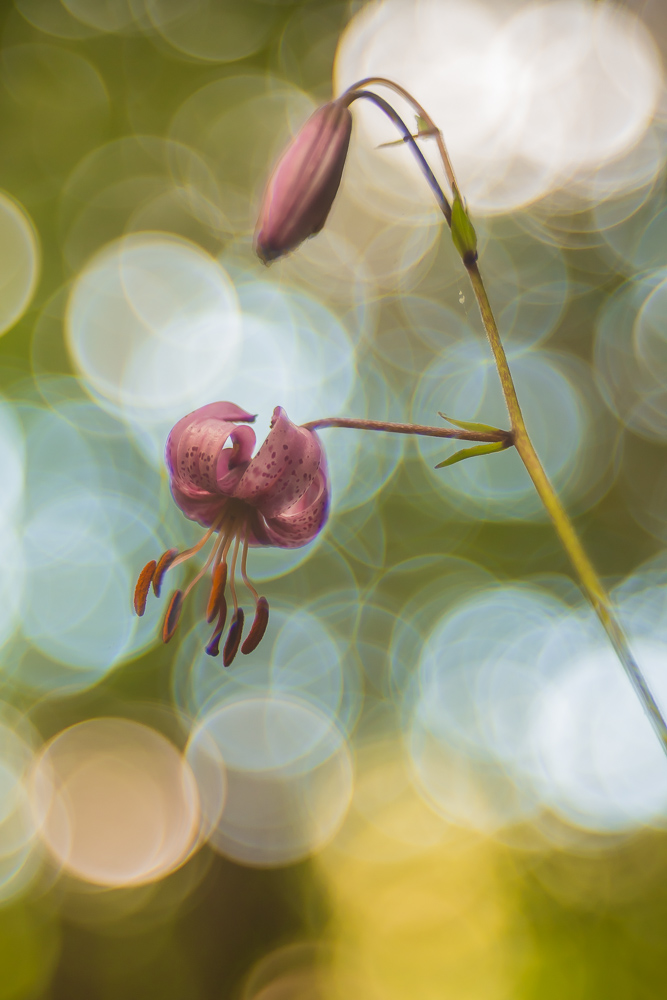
(220, 544)
(164, 562)
(233, 638)
(229, 538)
(256, 633)
(212, 554)
(244, 560)
(185, 555)
(172, 615)
(232, 584)
(217, 591)
(142, 587)
(213, 647)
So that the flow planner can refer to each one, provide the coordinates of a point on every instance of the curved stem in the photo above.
(590, 581)
(421, 429)
(355, 95)
(433, 128)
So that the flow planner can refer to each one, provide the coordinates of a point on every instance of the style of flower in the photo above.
(280, 498)
(304, 182)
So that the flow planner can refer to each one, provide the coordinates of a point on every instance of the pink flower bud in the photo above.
(304, 183)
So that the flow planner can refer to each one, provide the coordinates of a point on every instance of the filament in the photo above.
(244, 560)
(232, 584)
(184, 556)
(218, 545)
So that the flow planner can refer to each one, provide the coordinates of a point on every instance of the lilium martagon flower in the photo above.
(304, 182)
(279, 497)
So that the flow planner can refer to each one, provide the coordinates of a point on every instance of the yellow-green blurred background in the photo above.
(431, 780)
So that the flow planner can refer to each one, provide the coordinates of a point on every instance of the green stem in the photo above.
(355, 94)
(466, 242)
(421, 111)
(421, 429)
(590, 581)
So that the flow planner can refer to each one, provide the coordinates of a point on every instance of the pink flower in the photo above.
(304, 183)
(280, 497)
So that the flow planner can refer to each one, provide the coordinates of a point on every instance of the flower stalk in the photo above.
(424, 430)
(423, 114)
(298, 199)
(588, 577)
(409, 138)
(464, 238)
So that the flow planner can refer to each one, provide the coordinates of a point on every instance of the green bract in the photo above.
(463, 232)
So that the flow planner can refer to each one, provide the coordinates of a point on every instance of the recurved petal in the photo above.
(193, 461)
(283, 469)
(195, 457)
(304, 520)
(232, 461)
(223, 413)
(198, 505)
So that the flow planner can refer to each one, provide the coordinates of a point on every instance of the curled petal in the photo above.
(232, 461)
(302, 522)
(283, 469)
(222, 410)
(202, 432)
(205, 508)
(258, 533)
(193, 459)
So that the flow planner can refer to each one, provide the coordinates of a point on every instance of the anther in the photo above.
(256, 633)
(142, 587)
(164, 562)
(233, 637)
(213, 647)
(172, 615)
(217, 592)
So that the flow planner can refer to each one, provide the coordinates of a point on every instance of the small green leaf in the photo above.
(480, 449)
(423, 131)
(469, 425)
(463, 232)
(423, 127)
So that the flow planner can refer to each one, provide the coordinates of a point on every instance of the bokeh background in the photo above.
(432, 779)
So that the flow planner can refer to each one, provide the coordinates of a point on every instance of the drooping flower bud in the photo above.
(304, 182)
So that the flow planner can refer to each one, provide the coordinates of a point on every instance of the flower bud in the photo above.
(304, 183)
